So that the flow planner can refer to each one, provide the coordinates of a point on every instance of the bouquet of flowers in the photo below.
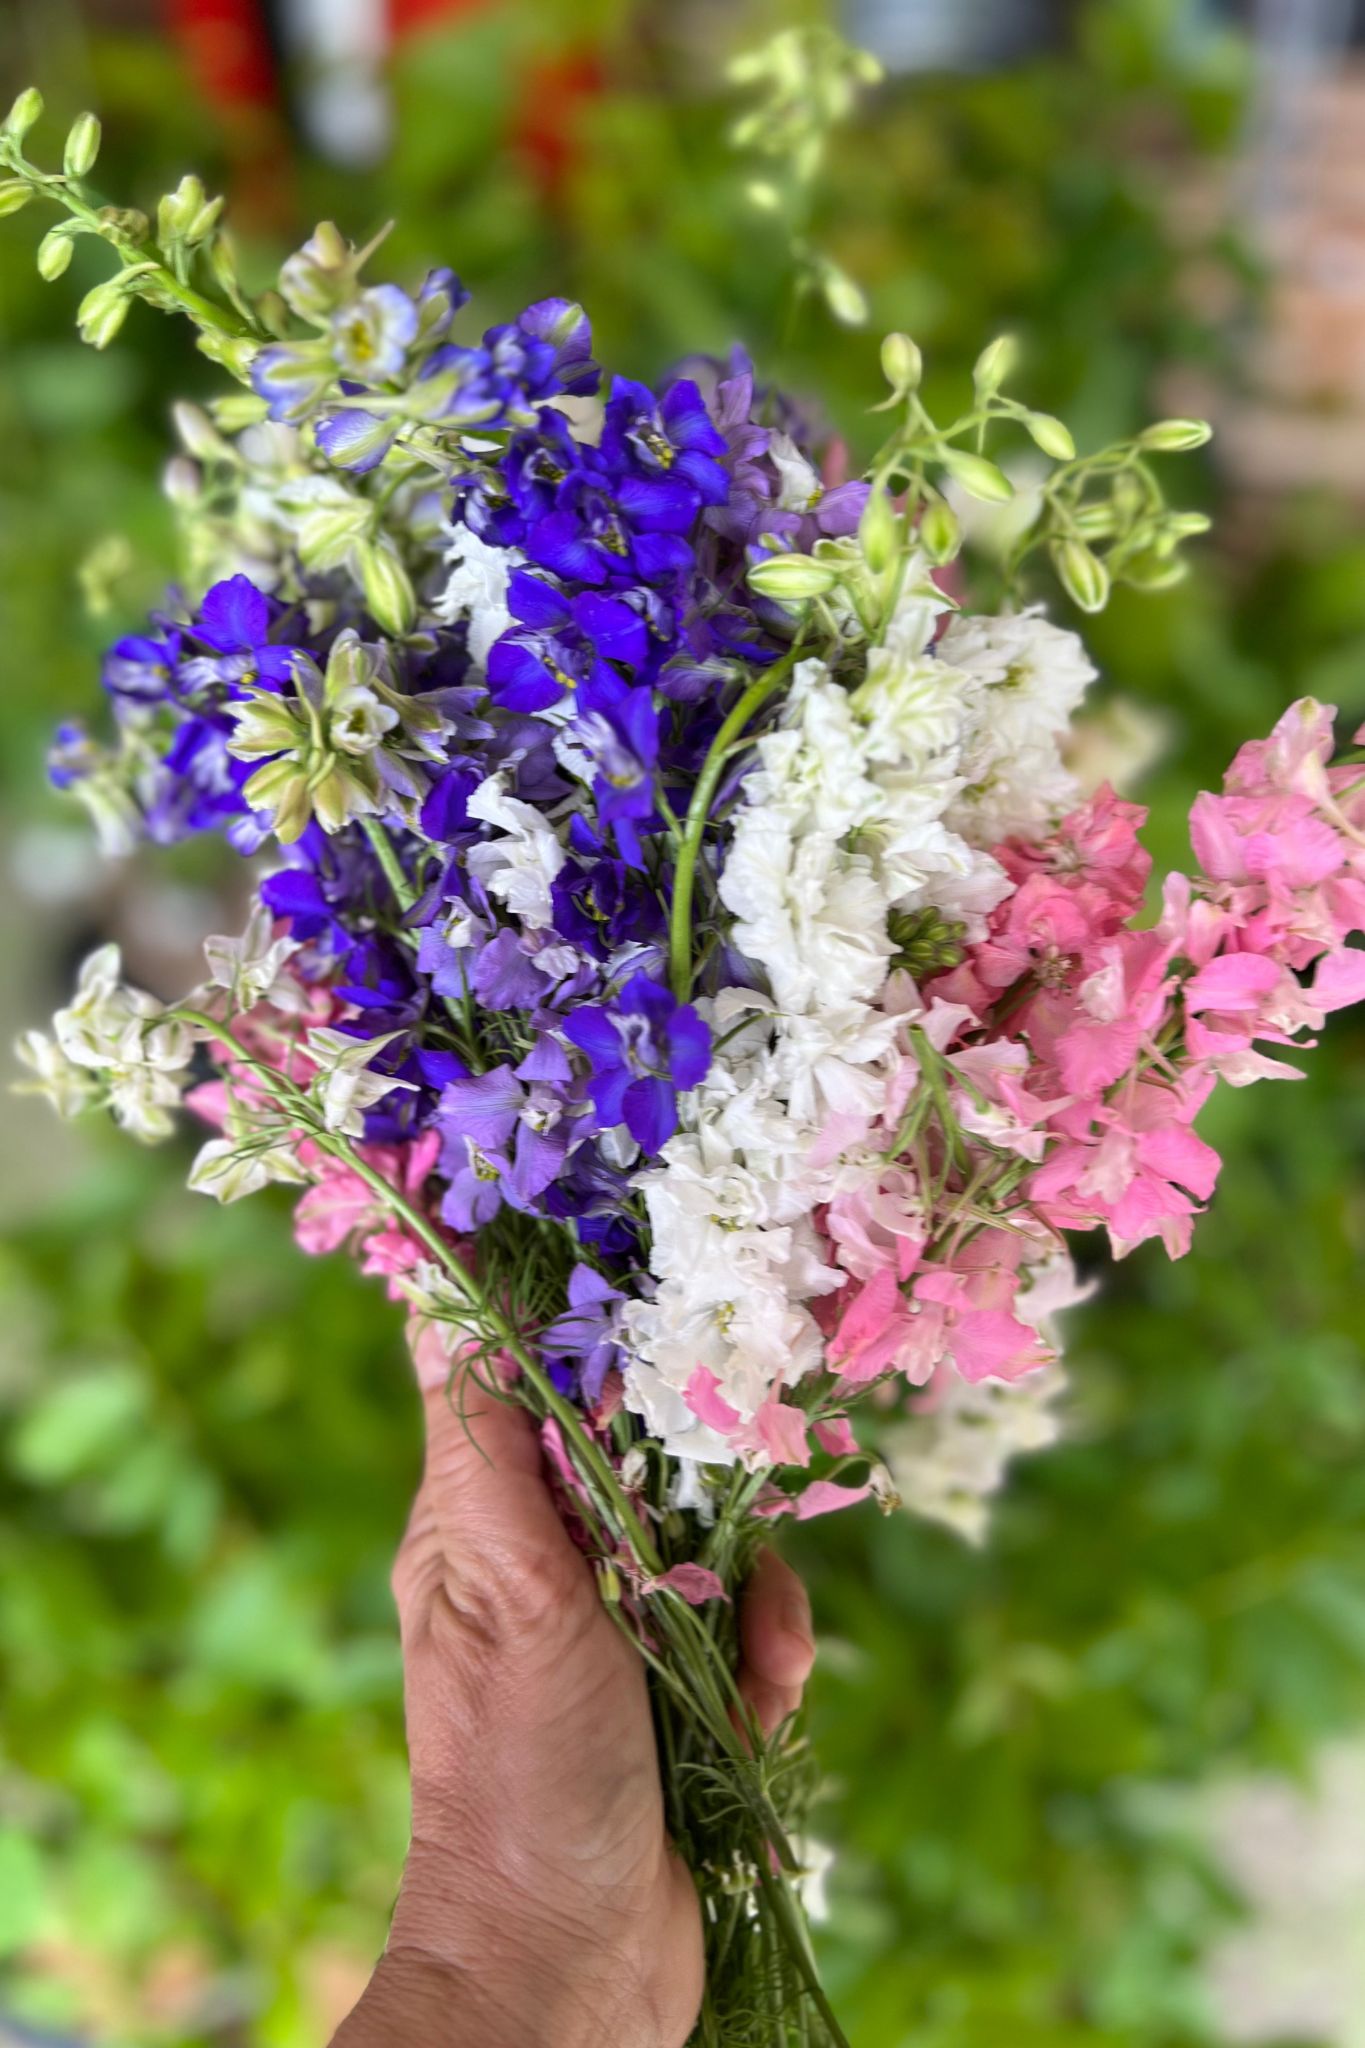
(681, 963)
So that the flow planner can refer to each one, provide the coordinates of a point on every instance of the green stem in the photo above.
(404, 893)
(204, 312)
(787, 1914)
(698, 811)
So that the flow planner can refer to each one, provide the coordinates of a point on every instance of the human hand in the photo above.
(541, 1903)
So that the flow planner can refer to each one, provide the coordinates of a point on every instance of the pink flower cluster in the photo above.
(1074, 1049)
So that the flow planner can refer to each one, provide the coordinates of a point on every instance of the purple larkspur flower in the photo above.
(643, 1047)
(559, 643)
(601, 904)
(143, 666)
(608, 529)
(234, 623)
(503, 1139)
(670, 436)
(612, 742)
(582, 1341)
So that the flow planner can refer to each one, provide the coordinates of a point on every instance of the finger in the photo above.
(777, 1640)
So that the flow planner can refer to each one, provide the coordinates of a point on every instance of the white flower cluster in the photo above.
(113, 1045)
(864, 803)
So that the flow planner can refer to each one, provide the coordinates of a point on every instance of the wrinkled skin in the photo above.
(541, 1902)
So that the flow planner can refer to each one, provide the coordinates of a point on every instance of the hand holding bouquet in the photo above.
(681, 964)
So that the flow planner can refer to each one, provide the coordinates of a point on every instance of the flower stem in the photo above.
(699, 810)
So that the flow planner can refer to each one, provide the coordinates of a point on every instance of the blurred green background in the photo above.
(1042, 1755)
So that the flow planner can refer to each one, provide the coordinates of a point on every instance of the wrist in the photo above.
(417, 1997)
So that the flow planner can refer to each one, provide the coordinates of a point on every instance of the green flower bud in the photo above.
(82, 146)
(879, 532)
(389, 595)
(176, 210)
(102, 313)
(902, 364)
(15, 194)
(1152, 569)
(1052, 435)
(846, 300)
(979, 477)
(926, 942)
(234, 354)
(54, 254)
(790, 578)
(26, 112)
(994, 365)
(1171, 437)
(940, 531)
(239, 409)
(1082, 574)
(198, 433)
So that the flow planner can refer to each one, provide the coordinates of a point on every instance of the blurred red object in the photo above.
(545, 122)
(228, 48)
(408, 16)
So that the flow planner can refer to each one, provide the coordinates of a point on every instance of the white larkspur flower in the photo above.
(345, 1085)
(476, 589)
(813, 917)
(110, 1026)
(518, 867)
(69, 1088)
(252, 968)
(949, 1459)
(228, 1168)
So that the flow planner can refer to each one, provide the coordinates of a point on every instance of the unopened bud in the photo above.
(879, 532)
(790, 578)
(14, 194)
(1082, 574)
(994, 365)
(940, 532)
(102, 313)
(26, 112)
(389, 595)
(82, 146)
(902, 364)
(54, 255)
(1171, 437)
(978, 476)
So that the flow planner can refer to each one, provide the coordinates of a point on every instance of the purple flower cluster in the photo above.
(530, 800)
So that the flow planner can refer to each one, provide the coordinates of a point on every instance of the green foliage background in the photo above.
(207, 1442)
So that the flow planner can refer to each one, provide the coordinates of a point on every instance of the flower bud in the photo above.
(1171, 437)
(181, 482)
(176, 210)
(846, 300)
(1052, 435)
(790, 578)
(389, 595)
(102, 313)
(1081, 573)
(82, 146)
(198, 434)
(879, 532)
(994, 365)
(902, 364)
(979, 477)
(26, 112)
(234, 354)
(15, 193)
(940, 532)
(54, 255)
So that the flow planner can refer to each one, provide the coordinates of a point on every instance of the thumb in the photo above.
(484, 1486)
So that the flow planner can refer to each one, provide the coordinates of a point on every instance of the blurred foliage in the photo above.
(207, 1443)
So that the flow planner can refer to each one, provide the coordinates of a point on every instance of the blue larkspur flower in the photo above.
(644, 1047)
(670, 436)
(559, 643)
